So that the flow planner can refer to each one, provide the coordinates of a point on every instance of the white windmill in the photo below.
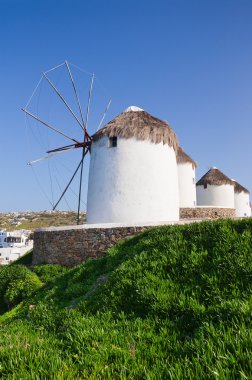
(242, 203)
(215, 189)
(186, 179)
(133, 171)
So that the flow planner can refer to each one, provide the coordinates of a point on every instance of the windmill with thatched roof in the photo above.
(215, 189)
(241, 198)
(133, 171)
(186, 179)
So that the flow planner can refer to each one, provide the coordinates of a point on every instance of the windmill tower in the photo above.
(215, 189)
(133, 171)
(186, 179)
(241, 198)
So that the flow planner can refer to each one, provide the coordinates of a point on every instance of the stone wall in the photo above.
(207, 213)
(71, 246)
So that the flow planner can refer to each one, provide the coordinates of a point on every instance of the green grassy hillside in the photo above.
(172, 303)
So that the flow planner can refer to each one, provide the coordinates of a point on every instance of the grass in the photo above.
(171, 303)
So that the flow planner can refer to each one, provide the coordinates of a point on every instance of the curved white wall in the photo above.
(242, 207)
(187, 187)
(134, 182)
(213, 195)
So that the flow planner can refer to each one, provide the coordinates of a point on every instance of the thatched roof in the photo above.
(214, 177)
(137, 123)
(239, 188)
(183, 158)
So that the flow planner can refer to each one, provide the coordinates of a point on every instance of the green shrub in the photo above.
(25, 259)
(16, 284)
(49, 272)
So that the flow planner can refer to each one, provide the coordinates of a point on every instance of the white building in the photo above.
(215, 189)
(241, 198)
(186, 179)
(133, 172)
(18, 238)
(13, 245)
(3, 239)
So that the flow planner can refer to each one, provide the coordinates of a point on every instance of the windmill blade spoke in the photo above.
(34, 91)
(55, 67)
(71, 101)
(62, 148)
(48, 156)
(63, 100)
(104, 115)
(84, 152)
(40, 186)
(89, 99)
(57, 173)
(85, 144)
(49, 126)
(76, 93)
(71, 180)
(80, 69)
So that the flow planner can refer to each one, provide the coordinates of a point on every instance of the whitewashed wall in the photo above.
(8, 255)
(136, 181)
(187, 187)
(242, 207)
(213, 195)
(3, 236)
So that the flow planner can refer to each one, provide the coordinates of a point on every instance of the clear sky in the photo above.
(185, 61)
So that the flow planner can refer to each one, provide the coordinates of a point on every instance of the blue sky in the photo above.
(185, 61)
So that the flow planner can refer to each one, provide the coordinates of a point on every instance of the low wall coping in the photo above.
(211, 206)
(105, 225)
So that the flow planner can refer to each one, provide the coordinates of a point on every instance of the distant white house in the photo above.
(13, 245)
(18, 238)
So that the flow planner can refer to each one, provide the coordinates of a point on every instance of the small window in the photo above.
(193, 180)
(205, 185)
(113, 142)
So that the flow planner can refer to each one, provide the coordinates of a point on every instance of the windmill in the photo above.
(83, 141)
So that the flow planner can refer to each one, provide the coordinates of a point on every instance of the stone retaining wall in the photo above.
(72, 245)
(207, 213)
